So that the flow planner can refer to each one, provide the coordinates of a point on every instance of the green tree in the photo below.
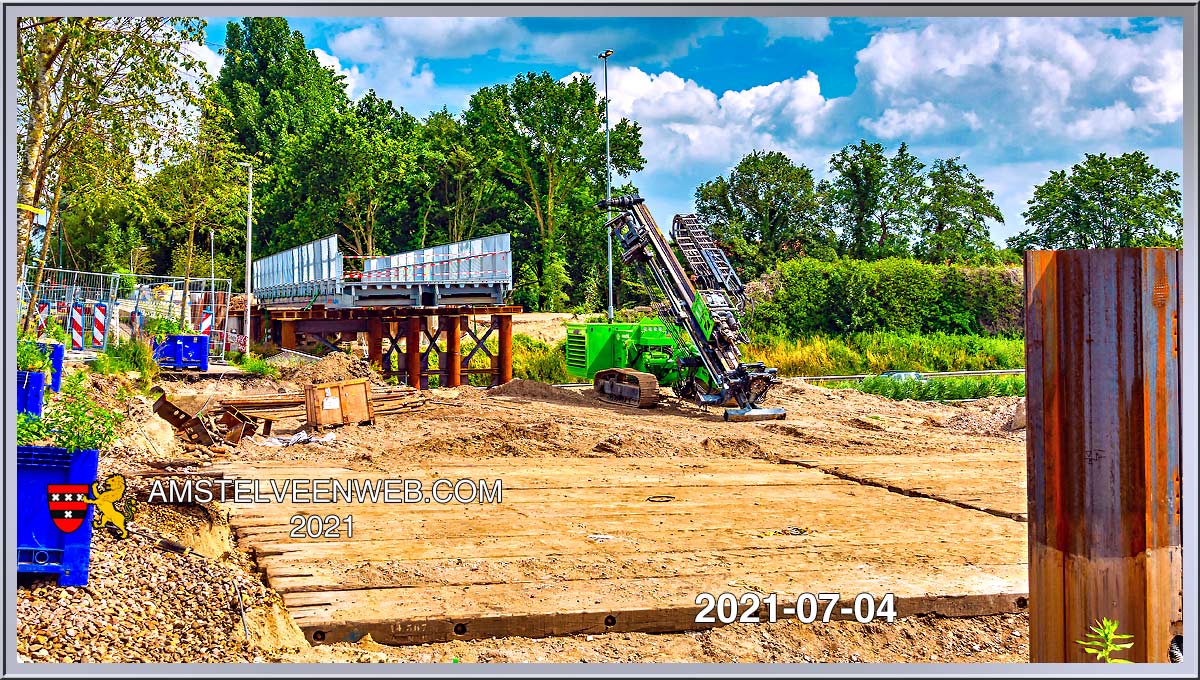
(1105, 202)
(123, 80)
(766, 211)
(344, 175)
(873, 201)
(547, 138)
(955, 212)
(277, 91)
(201, 189)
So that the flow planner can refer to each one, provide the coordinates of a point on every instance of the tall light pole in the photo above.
(603, 56)
(212, 271)
(249, 213)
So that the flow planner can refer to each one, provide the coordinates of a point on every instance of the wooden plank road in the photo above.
(576, 546)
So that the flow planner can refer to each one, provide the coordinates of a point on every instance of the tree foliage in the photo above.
(765, 212)
(85, 82)
(1105, 202)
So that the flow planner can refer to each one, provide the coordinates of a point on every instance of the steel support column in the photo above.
(1103, 440)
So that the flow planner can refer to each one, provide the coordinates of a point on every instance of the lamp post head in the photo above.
(605, 54)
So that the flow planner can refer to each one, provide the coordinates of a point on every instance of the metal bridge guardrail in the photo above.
(314, 268)
(481, 260)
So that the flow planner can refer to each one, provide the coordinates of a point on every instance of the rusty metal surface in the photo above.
(1102, 371)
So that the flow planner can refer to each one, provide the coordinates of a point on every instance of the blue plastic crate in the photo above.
(43, 546)
(182, 351)
(31, 392)
(57, 351)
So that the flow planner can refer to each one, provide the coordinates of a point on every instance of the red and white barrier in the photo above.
(77, 326)
(43, 311)
(99, 324)
(206, 318)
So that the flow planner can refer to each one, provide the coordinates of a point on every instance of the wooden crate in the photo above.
(339, 403)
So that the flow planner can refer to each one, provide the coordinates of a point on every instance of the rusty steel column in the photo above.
(412, 351)
(448, 325)
(375, 342)
(1102, 374)
(287, 334)
(503, 323)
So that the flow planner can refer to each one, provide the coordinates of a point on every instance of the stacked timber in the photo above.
(385, 400)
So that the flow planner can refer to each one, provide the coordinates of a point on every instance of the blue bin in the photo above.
(182, 351)
(56, 351)
(31, 392)
(46, 545)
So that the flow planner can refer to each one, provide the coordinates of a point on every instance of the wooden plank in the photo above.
(423, 615)
(533, 565)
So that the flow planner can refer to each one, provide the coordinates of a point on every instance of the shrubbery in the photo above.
(863, 353)
(939, 389)
(806, 296)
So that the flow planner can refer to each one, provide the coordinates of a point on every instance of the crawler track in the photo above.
(627, 387)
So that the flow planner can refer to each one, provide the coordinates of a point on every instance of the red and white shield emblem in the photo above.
(68, 505)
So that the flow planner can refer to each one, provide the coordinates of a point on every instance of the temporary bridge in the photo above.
(437, 297)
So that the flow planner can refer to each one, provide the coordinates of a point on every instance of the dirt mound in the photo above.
(333, 367)
(991, 416)
(537, 391)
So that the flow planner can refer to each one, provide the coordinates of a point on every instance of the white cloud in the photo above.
(1041, 76)
(808, 28)
(684, 122)
(912, 122)
(1162, 91)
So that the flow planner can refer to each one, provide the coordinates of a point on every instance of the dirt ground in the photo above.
(545, 326)
(523, 420)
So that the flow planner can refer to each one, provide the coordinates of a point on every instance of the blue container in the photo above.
(182, 351)
(46, 545)
(31, 392)
(56, 351)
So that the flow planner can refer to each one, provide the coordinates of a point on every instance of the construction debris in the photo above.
(338, 403)
(190, 426)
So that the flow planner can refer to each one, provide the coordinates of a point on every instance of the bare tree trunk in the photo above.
(35, 131)
(41, 265)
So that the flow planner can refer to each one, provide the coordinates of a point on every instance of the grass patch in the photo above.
(128, 356)
(256, 365)
(862, 353)
(938, 389)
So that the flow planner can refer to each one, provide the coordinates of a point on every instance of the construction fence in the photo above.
(95, 308)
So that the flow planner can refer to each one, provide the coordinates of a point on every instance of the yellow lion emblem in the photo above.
(106, 495)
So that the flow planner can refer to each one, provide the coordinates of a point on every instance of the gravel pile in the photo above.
(991, 416)
(333, 367)
(141, 604)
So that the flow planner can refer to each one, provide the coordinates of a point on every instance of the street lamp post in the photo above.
(603, 56)
(249, 213)
(212, 272)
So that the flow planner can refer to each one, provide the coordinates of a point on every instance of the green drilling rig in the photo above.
(692, 346)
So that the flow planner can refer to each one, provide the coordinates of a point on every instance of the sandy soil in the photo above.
(534, 420)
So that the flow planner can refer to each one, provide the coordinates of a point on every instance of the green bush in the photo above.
(537, 360)
(159, 327)
(32, 358)
(74, 421)
(126, 356)
(938, 389)
(809, 296)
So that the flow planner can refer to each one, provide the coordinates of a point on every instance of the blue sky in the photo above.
(1014, 98)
